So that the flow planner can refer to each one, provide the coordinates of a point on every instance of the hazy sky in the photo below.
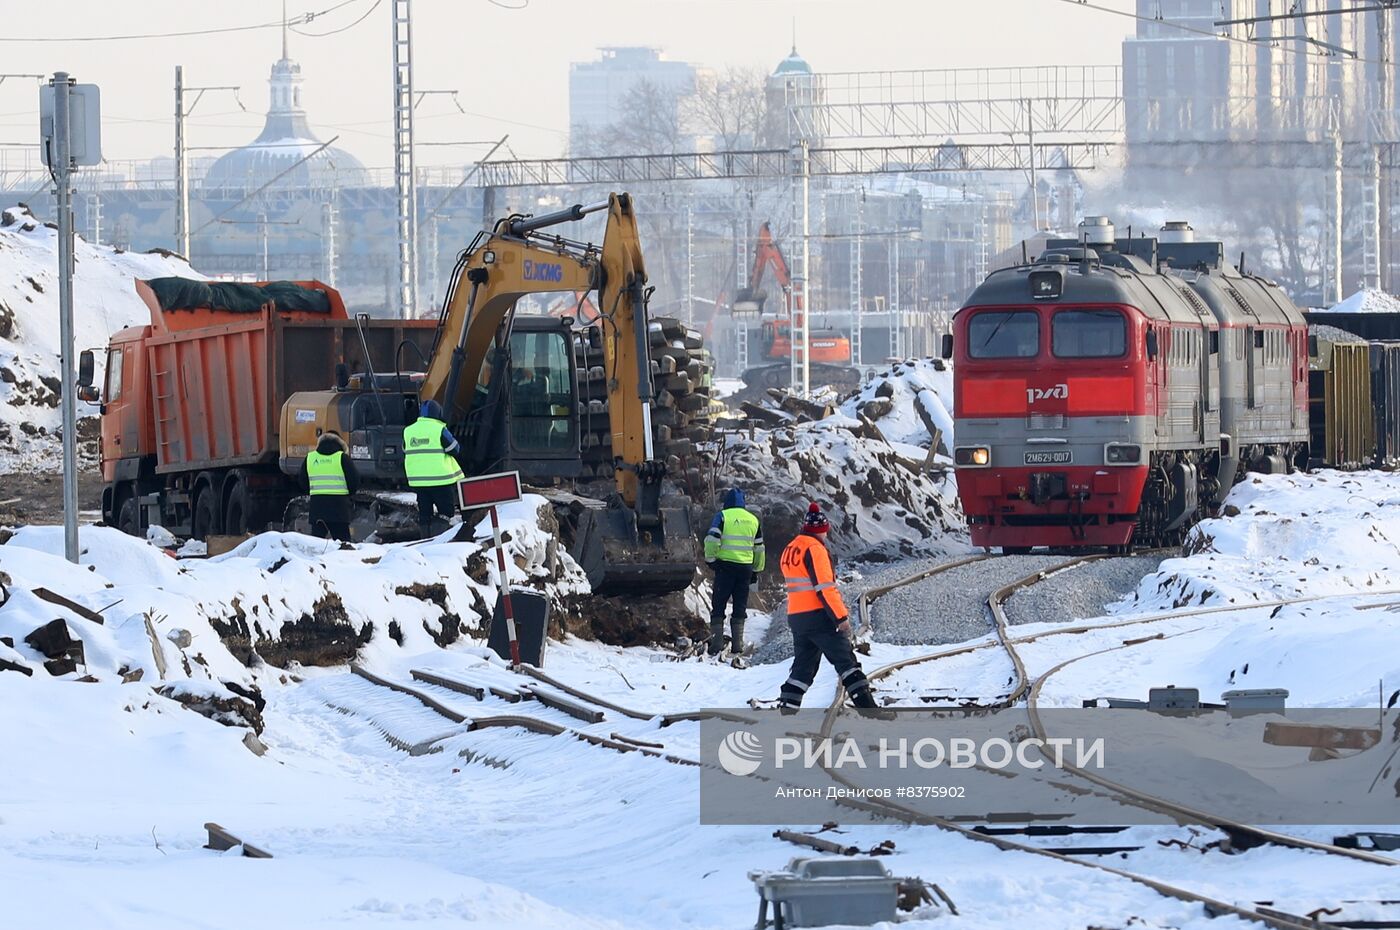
(510, 65)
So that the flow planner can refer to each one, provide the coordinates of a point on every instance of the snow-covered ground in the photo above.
(104, 301)
(106, 785)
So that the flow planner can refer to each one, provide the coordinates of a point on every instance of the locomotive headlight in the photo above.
(1047, 285)
(972, 456)
(1122, 454)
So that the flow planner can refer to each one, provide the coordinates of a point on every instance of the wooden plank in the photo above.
(577, 711)
(220, 840)
(44, 594)
(425, 700)
(448, 683)
(1320, 736)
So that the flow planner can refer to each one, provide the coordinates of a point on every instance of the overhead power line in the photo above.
(301, 20)
(1252, 43)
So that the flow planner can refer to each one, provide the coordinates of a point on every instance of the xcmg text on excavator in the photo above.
(509, 387)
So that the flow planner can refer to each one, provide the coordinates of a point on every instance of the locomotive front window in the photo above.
(1004, 334)
(1088, 334)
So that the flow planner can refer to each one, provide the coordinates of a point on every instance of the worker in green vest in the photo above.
(330, 478)
(734, 550)
(430, 464)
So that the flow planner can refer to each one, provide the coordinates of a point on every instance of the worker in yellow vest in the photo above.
(734, 551)
(330, 478)
(821, 625)
(431, 466)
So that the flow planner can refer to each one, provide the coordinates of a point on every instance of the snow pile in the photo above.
(104, 301)
(876, 493)
(1328, 540)
(279, 599)
(906, 399)
(1367, 300)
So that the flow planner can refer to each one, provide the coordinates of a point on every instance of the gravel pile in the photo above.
(1081, 592)
(777, 644)
(950, 607)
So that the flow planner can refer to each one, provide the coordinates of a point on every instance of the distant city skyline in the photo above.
(510, 67)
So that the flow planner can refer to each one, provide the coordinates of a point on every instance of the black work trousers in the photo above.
(441, 498)
(814, 635)
(731, 588)
(332, 529)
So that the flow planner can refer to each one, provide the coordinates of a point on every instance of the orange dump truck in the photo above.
(192, 403)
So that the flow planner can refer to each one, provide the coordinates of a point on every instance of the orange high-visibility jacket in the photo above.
(811, 582)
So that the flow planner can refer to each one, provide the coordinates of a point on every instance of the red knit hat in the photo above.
(815, 521)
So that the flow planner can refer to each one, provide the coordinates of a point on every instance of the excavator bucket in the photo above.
(748, 302)
(621, 557)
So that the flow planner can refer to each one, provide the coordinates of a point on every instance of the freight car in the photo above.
(1110, 392)
(1354, 400)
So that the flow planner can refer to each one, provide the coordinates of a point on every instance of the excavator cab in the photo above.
(522, 413)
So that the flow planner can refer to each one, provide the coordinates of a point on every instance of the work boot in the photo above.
(736, 642)
(716, 636)
(867, 707)
(787, 710)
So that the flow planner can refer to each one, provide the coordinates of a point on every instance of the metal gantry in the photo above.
(776, 163)
(1082, 101)
(405, 181)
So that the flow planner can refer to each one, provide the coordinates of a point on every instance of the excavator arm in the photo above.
(634, 538)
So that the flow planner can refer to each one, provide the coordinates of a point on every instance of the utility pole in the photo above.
(857, 286)
(405, 181)
(94, 206)
(799, 313)
(62, 103)
(328, 243)
(182, 177)
(1337, 295)
(262, 236)
(689, 266)
(1030, 157)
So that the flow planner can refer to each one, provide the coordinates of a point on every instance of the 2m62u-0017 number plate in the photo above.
(1058, 457)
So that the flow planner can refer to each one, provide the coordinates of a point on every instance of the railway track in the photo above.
(596, 722)
(1024, 687)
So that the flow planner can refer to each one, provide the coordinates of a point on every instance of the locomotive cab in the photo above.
(1089, 403)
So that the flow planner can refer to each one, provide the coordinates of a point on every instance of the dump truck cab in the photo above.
(128, 423)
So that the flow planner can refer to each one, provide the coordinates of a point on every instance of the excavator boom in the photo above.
(638, 537)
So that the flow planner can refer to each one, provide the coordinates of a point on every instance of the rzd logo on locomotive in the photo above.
(1059, 391)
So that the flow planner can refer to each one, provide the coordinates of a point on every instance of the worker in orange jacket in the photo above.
(820, 623)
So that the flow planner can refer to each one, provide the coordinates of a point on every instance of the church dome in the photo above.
(286, 138)
(793, 64)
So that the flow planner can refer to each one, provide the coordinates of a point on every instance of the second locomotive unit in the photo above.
(1109, 393)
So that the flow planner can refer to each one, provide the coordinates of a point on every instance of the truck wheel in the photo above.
(206, 514)
(129, 517)
(238, 515)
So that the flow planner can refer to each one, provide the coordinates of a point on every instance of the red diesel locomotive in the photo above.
(1110, 393)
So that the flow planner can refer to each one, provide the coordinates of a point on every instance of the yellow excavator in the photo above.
(511, 389)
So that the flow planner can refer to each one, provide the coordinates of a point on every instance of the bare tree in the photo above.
(651, 125)
(730, 108)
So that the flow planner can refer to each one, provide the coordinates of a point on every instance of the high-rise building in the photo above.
(598, 89)
(1270, 80)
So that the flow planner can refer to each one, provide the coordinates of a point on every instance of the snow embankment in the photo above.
(906, 400)
(868, 465)
(1328, 542)
(104, 301)
(200, 627)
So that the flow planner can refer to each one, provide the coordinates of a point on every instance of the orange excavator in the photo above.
(830, 359)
